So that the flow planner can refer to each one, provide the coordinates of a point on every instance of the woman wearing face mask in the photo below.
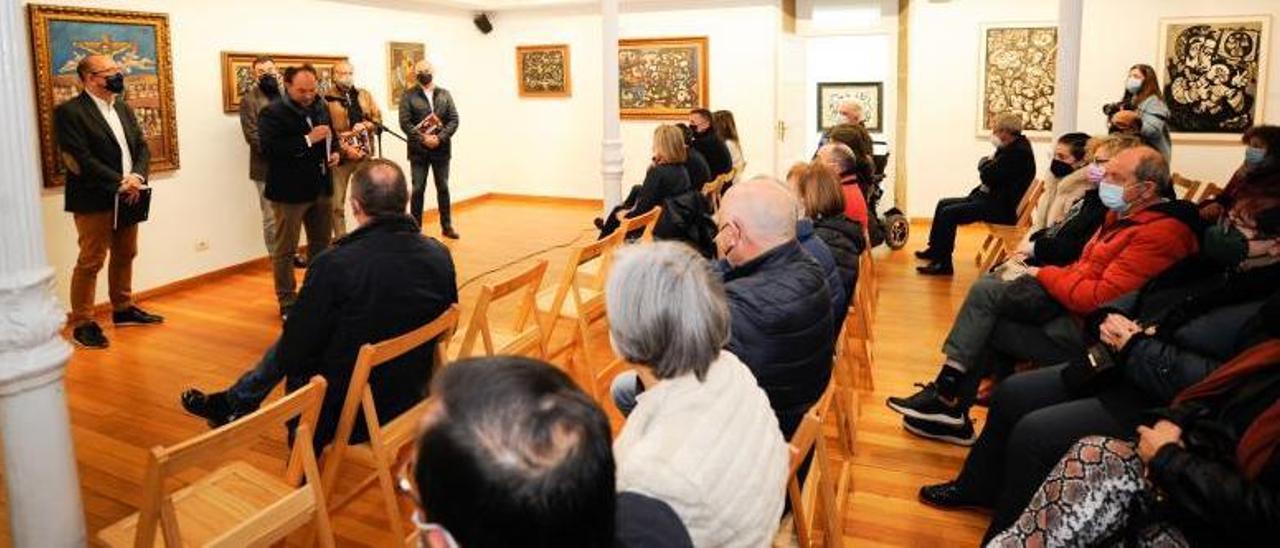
(1142, 94)
(1065, 180)
(665, 179)
(1144, 348)
(1261, 168)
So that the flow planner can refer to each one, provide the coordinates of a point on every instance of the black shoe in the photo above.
(299, 261)
(925, 254)
(948, 496)
(450, 233)
(936, 268)
(599, 222)
(963, 435)
(89, 335)
(926, 405)
(214, 408)
(285, 311)
(135, 316)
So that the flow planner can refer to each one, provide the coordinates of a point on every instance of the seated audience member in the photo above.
(709, 143)
(696, 165)
(380, 281)
(1033, 317)
(1005, 176)
(779, 303)
(727, 129)
(665, 179)
(1206, 473)
(1066, 181)
(1261, 168)
(858, 139)
(820, 197)
(843, 163)
(512, 453)
(1061, 241)
(701, 436)
(1163, 338)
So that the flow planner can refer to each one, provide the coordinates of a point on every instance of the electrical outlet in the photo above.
(202, 245)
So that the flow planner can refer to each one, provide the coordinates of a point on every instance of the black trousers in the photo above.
(418, 168)
(953, 212)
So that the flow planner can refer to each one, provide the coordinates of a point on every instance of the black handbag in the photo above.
(1026, 301)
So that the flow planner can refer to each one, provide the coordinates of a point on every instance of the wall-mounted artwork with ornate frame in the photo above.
(1214, 74)
(401, 57)
(139, 44)
(662, 77)
(870, 94)
(237, 72)
(1018, 72)
(543, 71)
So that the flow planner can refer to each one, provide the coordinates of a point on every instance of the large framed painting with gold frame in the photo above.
(543, 71)
(401, 58)
(137, 41)
(662, 77)
(237, 72)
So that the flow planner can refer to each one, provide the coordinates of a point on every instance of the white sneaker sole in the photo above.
(963, 442)
(934, 418)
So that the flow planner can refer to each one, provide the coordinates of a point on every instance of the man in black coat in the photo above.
(106, 158)
(380, 281)
(779, 303)
(1005, 177)
(429, 118)
(708, 143)
(297, 140)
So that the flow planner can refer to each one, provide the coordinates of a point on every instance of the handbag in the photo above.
(1082, 376)
(1026, 301)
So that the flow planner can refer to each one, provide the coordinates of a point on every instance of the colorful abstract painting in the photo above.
(237, 72)
(662, 77)
(1019, 70)
(401, 57)
(1214, 73)
(543, 71)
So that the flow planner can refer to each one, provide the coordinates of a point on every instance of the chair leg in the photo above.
(388, 488)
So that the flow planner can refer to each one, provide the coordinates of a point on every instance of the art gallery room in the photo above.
(434, 272)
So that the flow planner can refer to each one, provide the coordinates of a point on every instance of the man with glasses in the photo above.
(105, 155)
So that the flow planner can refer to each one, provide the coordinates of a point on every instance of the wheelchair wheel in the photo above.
(898, 229)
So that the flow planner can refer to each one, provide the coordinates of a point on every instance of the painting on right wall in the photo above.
(1214, 74)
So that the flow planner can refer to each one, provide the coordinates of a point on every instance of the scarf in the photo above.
(1261, 440)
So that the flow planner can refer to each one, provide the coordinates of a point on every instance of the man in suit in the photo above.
(354, 114)
(106, 156)
(266, 89)
(429, 149)
(298, 143)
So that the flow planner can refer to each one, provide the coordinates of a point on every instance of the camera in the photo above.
(1110, 109)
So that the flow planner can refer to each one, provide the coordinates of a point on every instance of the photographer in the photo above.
(1142, 96)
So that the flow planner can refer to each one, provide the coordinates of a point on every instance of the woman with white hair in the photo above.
(700, 435)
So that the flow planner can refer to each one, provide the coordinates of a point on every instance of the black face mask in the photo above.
(424, 78)
(1060, 168)
(269, 85)
(115, 83)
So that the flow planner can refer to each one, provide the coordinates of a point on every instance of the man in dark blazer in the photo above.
(429, 148)
(297, 140)
(106, 156)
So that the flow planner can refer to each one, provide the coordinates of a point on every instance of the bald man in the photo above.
(355, 118)
(106, 158)
(430, 144)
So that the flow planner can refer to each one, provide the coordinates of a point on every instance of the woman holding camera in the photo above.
(1142, 97)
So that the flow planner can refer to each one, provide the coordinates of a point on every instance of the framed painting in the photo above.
(139, 42)
(237, 72)
(1019, 64)
(1214, 71)
(401, 57)
(543, 71)
(869, 94)
(662, 78)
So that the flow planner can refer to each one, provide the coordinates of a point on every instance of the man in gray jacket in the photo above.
(265, 89)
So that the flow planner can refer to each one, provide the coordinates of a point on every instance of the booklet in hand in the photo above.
(127, 214)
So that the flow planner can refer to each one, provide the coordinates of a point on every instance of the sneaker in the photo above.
(89, 335)
(963, 435)
(949, 496)
(928, 406)
(214, 408)
(135, 316)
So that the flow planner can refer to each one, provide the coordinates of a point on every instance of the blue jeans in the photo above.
(625, 388)
(252, 387)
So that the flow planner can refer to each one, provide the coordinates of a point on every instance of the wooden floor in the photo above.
(125, 400)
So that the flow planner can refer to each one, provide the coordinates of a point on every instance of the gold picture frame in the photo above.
(543, 71)
(401, 57)
(139, 43)
(237, 72)
(663, 78)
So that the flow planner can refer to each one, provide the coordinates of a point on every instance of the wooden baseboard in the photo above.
(557, 200)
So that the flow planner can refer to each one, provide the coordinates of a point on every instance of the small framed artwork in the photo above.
(1214, 74)
(237, 72)
(832, 94)
(138, 42)
(1019, 71)
(401, 57)
(662, 78)
(543, 71)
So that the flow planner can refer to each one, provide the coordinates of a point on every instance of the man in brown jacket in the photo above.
(355, 118)
(266, 87)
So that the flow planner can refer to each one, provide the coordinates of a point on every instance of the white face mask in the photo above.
(996, 142)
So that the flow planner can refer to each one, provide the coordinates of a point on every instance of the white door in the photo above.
(792, 124)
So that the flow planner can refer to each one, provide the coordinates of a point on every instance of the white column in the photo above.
(1067, 90)
(612, 145)
(39, 463)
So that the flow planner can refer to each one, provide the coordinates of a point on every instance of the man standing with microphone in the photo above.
(298, 143)
(429, 119)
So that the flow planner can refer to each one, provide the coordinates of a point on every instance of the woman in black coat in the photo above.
(820, 196)
(665, 179)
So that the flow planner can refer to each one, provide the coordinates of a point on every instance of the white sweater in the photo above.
(712, 451)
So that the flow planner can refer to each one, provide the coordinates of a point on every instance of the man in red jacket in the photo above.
(1143, 234)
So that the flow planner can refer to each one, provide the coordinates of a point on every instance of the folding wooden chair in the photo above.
(648, 221)
(581, 302)
(1001, 239)
(1185, 188)
(1209, 192)
(824, 493)
(386, 441)
(524, 337)
(237, 504)
(712, 190)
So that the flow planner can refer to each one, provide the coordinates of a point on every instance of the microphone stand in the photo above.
(381, 130)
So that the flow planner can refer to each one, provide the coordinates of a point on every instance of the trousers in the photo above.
(291, 220)
(96, 238)
(418, 168)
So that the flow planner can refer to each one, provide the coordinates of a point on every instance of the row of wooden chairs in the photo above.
(1002, 240)
(713, 190)
(1194, 191)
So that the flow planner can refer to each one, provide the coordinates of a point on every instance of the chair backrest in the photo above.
(578, 256)
(1028, 204)
(809, 438)
(269, 524)
(528, 280)
(647, 220)
(1210, 192)
(1184, 188)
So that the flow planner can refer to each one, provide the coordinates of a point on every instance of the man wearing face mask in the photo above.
(266, 88)
(106, 158)
(1005, 176)
(430, 119)
(708, 143)
(355, 118)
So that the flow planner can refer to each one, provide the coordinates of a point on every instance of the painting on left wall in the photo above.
(139, 44)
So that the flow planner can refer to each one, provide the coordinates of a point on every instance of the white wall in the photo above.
(210, 198)
(942, 147)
